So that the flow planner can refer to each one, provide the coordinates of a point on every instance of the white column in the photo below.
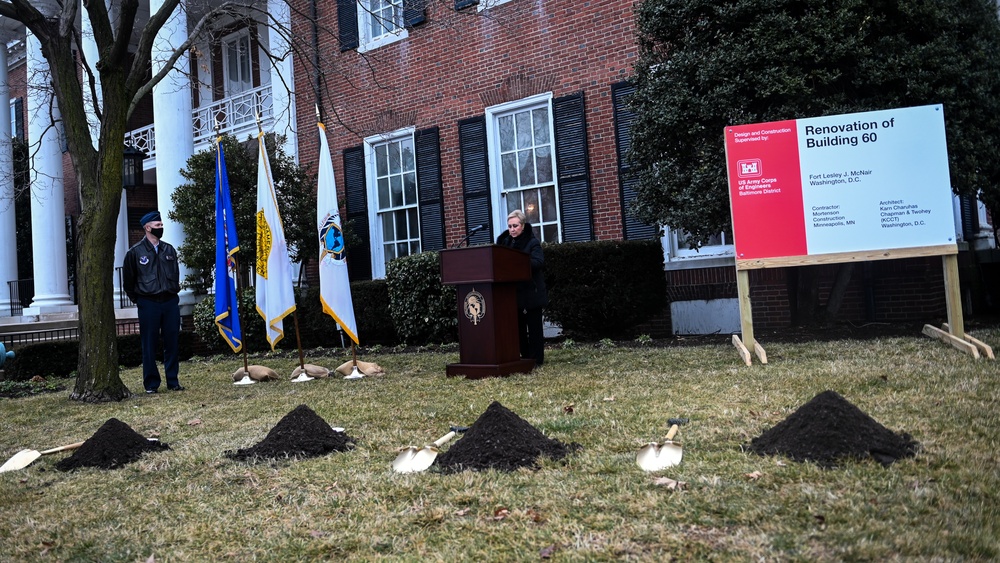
(282, 74)
(174, 125)
(8, 226)
(48, 209)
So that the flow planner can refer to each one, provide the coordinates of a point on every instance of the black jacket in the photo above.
(150, 274)
(531, 294)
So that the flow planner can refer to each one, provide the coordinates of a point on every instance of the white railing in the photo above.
(236, 115)
(143, 139)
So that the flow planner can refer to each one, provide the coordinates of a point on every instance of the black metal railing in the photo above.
(123, 301)
(20, 339)
(21, 293)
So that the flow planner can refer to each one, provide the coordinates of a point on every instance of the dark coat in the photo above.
(151, 275)
(531, 294)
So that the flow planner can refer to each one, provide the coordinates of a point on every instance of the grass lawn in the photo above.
(192, 503)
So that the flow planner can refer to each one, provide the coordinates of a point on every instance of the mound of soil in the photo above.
(829, 428)
(300, 434)
(499, 439)
(114, 445)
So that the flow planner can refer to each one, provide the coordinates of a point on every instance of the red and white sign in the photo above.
(842, 183)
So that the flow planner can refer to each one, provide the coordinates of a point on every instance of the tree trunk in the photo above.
(97, 378)
(837, 292)
(805, 289)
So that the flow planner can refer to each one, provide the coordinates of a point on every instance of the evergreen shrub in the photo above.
(603, 289)
(422, 308)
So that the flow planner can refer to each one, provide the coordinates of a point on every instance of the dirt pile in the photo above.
(301, 433)
(499, 439)
(114, 445)
(829, 428)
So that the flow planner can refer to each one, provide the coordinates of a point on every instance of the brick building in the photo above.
(443, 116)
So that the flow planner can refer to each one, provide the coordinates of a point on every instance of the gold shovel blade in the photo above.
(654, 457)
(402, 462)
(20, 460)
(414, 460)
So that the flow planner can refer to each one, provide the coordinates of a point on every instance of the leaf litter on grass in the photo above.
(829, 429)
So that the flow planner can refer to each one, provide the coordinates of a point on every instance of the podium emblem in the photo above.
(474, 306)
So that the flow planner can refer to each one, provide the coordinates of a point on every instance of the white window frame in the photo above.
(499, 197)
(235, 37)
(487, 4)
(365, 40)
(679, 257)
(377, 241)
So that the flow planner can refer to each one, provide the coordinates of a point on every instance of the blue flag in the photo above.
(226, 246)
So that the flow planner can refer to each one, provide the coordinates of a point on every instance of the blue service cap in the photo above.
(151, 216)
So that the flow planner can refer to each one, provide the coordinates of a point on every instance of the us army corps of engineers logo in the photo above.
(474, 306)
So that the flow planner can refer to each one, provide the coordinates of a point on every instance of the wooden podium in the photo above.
(487, 278)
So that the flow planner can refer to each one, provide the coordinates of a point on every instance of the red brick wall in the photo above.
(457, 64)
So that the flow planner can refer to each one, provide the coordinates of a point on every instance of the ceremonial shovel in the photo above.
(412, 459)
(23, 458)
(654, 457)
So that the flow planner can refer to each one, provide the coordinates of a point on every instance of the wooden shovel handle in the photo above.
(444, 439)
(62, 448)
(672, 432)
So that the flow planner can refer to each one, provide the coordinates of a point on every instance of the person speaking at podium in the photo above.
(531, 294)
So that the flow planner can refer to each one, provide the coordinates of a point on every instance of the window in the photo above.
(487, 4)
(236, 63)
(392, 192)
(676, 249)
(380, 22)
(522, 163)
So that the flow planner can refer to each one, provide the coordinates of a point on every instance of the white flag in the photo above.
(334, 282)
(275, 296)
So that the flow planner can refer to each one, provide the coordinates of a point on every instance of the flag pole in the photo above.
(239, 292)
(295, 313)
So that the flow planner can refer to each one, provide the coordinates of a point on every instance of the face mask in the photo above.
(158, 233)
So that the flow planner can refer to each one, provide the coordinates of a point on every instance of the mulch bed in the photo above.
(114, 445)
(299, 434)
(499, 439)
(829, 429)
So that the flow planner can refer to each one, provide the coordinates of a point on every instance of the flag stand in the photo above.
(355, 373)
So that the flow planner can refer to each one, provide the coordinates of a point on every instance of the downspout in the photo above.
(316, 68)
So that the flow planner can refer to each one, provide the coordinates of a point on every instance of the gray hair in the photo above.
(519, 215)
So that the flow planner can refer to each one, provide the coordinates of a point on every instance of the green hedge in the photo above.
(423, 309)
(59, 359)
(603, 289)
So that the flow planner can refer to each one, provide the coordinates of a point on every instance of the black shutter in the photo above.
(970, 216)
(19, 118)
(459, 4)
(359, 255)
(624, 116)
(347, 22)
(429, 184)
(414, 12)
(476, 178)
(573, 163)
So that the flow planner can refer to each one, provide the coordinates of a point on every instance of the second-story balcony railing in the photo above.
(235, 115)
